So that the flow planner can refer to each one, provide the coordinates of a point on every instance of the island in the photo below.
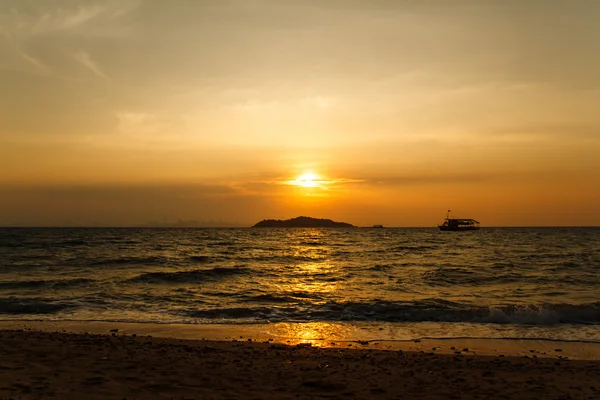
(302, 222)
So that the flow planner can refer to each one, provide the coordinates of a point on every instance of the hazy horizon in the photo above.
(193, 224)
(120, 113)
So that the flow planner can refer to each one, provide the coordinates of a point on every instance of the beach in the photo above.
(40, 361)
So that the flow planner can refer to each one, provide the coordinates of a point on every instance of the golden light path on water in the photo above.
(305, 284)
(316, 333)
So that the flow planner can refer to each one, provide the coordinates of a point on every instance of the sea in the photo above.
(390, 283)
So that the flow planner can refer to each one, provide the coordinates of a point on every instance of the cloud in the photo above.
(67, 19)
(319, 182)
(325, 183)
(557, 131)
(268, 184)
(429, 179)
(94, 19)
(85, 59)
(42, 33)
(272, 185)
(34, 61)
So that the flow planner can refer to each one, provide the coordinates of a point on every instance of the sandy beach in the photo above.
(37, 364)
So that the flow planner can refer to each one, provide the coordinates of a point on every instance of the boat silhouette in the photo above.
(459, 224)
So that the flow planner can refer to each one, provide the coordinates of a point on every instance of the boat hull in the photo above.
(458, 229)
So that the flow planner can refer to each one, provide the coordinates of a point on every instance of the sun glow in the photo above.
(311, 184)
(308, 179)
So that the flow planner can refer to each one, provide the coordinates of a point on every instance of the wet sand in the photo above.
(114, 365)
(322, 334)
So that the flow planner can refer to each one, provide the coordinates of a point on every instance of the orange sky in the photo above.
(126, 112)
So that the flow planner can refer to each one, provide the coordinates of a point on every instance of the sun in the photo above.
(308, 179)
(312, 182)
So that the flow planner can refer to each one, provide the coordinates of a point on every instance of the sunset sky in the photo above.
(127, 112)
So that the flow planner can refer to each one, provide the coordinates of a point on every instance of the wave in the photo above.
(434, 310)
(222, 243)
(130, 261)
(193, 276)
(72, 242)
(551, 256)
(548, 314)
(291, 297)
(199, 258)
(313, 243)
(410, 248)
(270, 298)
(448, 276)
(381, 267)
(15, 306)
(255, 313)
(63, 283)
(281, 259)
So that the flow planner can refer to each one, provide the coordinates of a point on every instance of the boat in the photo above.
(458, 224)
(377, 226)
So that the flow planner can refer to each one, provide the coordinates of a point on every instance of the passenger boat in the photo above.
(458, 224)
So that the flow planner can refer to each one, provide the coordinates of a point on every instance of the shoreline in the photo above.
(122, 364)
(323, 335)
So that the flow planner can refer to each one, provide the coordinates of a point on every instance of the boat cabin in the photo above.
(458, 224)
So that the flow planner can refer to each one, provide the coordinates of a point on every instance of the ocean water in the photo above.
(390, 283)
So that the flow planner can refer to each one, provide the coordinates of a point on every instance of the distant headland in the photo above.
(301, 222)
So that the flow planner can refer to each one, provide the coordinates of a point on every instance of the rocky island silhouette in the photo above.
(301, 222)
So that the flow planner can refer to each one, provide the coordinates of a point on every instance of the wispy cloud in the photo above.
(318, 182)
(67, 19)
(307, 180)
(26, 27)
(34, 61)
(13, 47)
(429, 179)
(85, 59)
(41, 20)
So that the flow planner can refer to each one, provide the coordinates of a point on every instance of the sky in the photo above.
(227, 112)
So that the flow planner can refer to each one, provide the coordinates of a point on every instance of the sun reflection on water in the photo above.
(315, 333)
(310, 280)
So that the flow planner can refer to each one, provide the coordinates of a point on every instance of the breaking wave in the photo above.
(423, 311)
(32, 306)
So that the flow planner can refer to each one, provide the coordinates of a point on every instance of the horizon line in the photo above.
(247, 227)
